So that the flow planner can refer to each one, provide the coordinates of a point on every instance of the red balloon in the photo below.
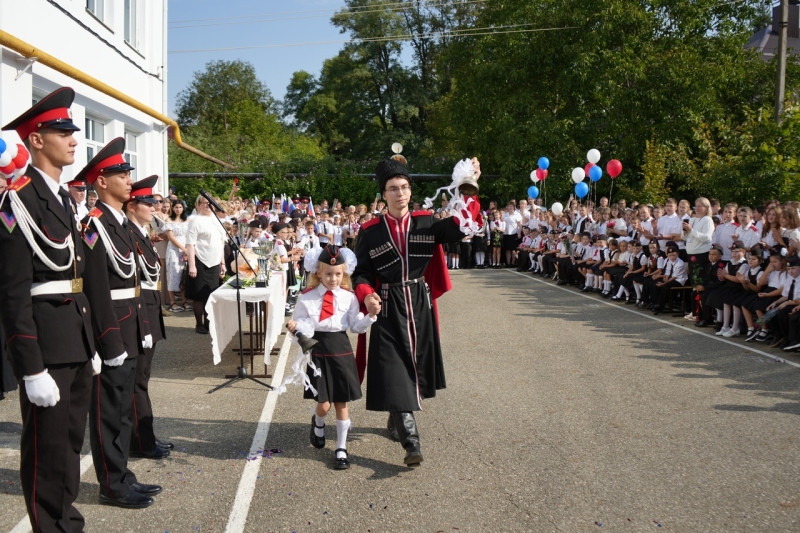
(614, 168)
(8, 170)
(541, 174)
(588, 167)
(20, 160)
(21, 149)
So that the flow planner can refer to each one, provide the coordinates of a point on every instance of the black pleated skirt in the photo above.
(334, 357)
(201, 286)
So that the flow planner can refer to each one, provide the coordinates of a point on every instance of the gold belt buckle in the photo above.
(77, 285)
(158, 285)
(138, 291)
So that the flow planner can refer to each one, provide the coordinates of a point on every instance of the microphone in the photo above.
(211, 201)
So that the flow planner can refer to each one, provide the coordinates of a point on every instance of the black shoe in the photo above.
(631, 301)
(616, 298)
(586, 289)
(561, 282)
(133, 500)
(202, 330)
(147, 490)
(752, 335)
(406, 426)
(165, 445)
(655, 309)
(778, 343)
(341, 463)
(316, 442)
(762, 336)
(605, 295)
(156, 453)
(392, 429)
(702, 323)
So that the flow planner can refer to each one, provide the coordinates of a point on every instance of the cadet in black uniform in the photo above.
(139, 210)
(46, 316)
(113, 269)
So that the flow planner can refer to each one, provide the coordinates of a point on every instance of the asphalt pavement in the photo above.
(563, 412)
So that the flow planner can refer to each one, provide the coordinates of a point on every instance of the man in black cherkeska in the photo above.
(395, 253)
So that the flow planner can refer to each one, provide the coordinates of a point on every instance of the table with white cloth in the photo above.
(223, 319)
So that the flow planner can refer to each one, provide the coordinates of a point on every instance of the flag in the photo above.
(311, 208)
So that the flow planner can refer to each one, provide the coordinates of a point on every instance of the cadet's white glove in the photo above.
(147, 342)
(97, 364)
(117, 360)
(42, 389)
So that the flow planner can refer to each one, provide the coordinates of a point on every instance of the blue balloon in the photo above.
(595, 173)
(533, 191)
(2, 146)
(544, 163)
(581, 190)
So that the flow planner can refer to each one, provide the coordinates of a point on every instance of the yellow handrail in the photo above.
(27, 50)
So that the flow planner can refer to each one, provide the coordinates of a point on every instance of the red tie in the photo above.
(327, 306)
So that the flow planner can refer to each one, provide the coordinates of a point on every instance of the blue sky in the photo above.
(274, 66)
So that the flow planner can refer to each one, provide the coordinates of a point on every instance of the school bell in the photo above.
(468, 186)
(306, 343)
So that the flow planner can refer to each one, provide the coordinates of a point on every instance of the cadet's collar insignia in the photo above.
(95, 213)
(89, 237)
(9, 221)
(19, 183)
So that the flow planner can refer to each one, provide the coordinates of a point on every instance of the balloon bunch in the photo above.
(13, 159)
(540, 174)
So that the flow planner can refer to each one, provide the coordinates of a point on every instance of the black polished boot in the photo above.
(392, 429)
(406, 426)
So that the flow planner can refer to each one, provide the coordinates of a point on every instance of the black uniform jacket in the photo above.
(152, 299)
(48, 329)
(128, 318)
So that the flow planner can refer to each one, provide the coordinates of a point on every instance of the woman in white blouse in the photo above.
(697, 233)
(205, 246)
(175, 232)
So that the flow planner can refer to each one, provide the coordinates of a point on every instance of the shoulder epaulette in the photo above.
(753, 228)
(308, 290)
(736, 224)
(421, 213)
(19, 183)
(95, 213)
(370, 223)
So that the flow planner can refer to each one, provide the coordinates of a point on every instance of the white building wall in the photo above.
(68, 31)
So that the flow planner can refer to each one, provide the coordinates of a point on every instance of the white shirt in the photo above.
(646, 225)
(670, 225)
(280, 249)
(698, 239)
(324, 227)
(117, 214)
(750, 235)
(208, 237)
(723, 236)
(512, 221)
(775, 279)
(337, 235)
(787, 284)
(345, 312)
(676, 269)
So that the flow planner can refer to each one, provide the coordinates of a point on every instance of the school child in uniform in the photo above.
(524, 249)
(790, 298)
(618, 262)
(599, 255)
(497, 228)
(731, 287)
(752, 283)
(549, 257)
(636, 267)
(537, 247)
(653, 273)
(325, 311)
(757, 303)
(711, 282)
(675, 275)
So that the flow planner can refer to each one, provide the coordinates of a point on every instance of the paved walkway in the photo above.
(563, 412)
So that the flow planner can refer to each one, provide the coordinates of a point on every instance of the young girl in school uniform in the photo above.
(771, 290)
(325, 311)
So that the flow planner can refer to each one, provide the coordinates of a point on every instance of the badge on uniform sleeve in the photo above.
(9, 221)
(89, 236)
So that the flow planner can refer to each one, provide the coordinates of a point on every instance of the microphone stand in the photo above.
(241, 371)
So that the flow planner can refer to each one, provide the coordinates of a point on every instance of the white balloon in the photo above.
(5, 159)
(578, 174)
(12, 150)
(593, 156)
(534, 177)
(557, 209)
(20, 172)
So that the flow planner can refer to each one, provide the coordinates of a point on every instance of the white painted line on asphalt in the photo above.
(247, 485)
(24, 525)
(640, 314)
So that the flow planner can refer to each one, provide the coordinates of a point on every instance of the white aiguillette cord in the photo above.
(113, 253)
(28, 227)
(146, 268)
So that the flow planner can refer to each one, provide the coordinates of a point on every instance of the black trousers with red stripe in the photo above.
(110, 427)
(143, 437)
(52, 438)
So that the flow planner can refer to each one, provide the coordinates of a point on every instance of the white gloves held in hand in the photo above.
(117, 360)
(147, 342)
(97, 364)
(42, 389)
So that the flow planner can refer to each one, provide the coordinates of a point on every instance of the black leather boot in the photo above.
(406, 426)
(392, 429)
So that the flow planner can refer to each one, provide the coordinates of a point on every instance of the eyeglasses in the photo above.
(159, 201)
(203, 203)
(394, 190)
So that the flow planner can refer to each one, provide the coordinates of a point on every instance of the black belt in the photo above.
(406, 283)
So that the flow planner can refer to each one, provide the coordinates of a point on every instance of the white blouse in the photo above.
(345, 312)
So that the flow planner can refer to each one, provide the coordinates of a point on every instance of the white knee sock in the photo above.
(726, 315)
(589, 280)
(607, 285)
(479, 258)
(342, 426)
(737, 317)
(455, 261)
(319, 421)
(638, 288)
(719, 315)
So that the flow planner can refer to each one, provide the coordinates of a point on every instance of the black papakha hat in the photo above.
(388, 169)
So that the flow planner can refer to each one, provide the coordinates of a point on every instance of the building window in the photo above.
(130, 152)
(95, 136)
(130, 22)
(96, 8)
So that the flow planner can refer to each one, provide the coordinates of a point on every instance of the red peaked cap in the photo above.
(107, 160)
(52, 111)
(142, 190)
